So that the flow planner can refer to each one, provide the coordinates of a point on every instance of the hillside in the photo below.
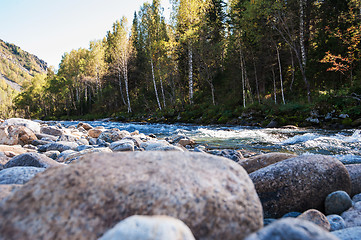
(16, 67)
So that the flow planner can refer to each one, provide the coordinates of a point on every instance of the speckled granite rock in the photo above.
(7, 189)
(212, 195)
(317, 218)
(352, 216)
(292, 229)
(355, 174)
(260, 161)
(18, 175)
(33, 126)
(299, 184)
(353, 233)
(32, 160)
(149, 228)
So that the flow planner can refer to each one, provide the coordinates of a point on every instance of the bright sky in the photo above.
(49, 28)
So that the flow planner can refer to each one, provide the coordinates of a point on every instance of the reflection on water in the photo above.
(344, 144)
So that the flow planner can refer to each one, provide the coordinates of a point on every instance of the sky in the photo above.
(49, 28)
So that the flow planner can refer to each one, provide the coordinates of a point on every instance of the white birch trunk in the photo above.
(125, 73)
(190, 63)
(281, 77)
(120, 86)
(155, 85)
(274, 85)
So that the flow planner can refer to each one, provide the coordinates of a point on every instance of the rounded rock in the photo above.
(149, 228)
(354, 171)
(352, 216)
(213, 196)
(260, 161)
(336, 222)
(300, 183)
(337, 202)
(317, 218)
(18, 175)
(292, 228)
(31, 160)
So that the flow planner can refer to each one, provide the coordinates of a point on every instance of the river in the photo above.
(343, 144)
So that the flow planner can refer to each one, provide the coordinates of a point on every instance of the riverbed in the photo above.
(345, 145)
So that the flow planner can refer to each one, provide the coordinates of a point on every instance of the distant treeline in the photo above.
(209, 55)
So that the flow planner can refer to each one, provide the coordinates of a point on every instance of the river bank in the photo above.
(84, 175)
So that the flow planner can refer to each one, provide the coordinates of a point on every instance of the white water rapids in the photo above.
(344, 144)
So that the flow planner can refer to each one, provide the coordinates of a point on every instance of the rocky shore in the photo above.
(82, 182)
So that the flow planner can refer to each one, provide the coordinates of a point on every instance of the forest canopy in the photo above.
(211, 60)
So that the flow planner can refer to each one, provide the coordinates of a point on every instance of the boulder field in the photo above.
(85, 182)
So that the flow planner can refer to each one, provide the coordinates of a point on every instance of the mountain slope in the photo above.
(16, 67)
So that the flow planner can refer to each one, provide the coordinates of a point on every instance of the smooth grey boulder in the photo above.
(31, 160)
(212, 195)
(292, 229)
(18, 175)
(336, 222)
(298, 184)
(149, 228)
(260, 161)
(337, 202)
(353, 233)
(160, 145)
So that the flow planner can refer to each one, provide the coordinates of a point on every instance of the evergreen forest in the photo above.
(211, 62)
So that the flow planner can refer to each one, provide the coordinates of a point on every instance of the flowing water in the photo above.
(344, 144)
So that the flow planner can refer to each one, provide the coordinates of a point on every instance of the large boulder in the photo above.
(13, 135)
(7, 189)
(354, 171)
(260, 161)
(33, 126)
(18, 175)
(149, 228)
(32, 160)
(213, 196)
(300, 183)
(292, 229)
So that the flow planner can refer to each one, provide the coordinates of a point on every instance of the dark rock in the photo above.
(39, 142)
(337, 202)
(273, 124)
(58, 146)
(234, 155)
(18, 175)
(292, 229)
(46, 137)
(291, 215)
(300, 183)
(212, 195)
(260, 161)
(336, 222)
(51, 131)
(31, 160)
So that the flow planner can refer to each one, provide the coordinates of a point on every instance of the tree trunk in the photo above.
(155, 85)
(161, 87)
(274, 85)
(293, 70)
(243, 80)
(190, 64)
(281, 77)
(125, 73)
(256, 79)
(120, 86)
